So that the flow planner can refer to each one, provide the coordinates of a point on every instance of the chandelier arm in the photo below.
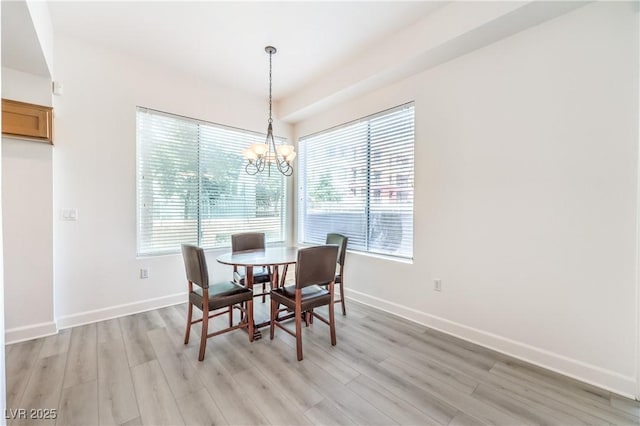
(271, 142)
(261, 164)
(286, 170)
(251, 169)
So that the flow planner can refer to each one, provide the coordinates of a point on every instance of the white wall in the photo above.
(39, 12)
(525, 196)
(27, 216)
(25, 87)
(27, 196)
(3, 382)
(97, 270)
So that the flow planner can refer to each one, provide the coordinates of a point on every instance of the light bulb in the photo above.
(259, 148)
(284, 150)
(249, 154)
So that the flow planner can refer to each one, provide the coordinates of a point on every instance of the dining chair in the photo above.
(341, 241)
(315, 269)
(211, 297)
(251, 241)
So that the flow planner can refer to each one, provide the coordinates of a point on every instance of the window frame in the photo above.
(284, 216)
(372, 175)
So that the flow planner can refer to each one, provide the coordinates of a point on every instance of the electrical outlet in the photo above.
(144, 273)
(437, 285)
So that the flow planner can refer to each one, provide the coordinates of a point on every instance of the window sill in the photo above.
(366, 254)
(382, 257)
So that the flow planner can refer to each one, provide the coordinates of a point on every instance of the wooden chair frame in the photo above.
(275, 321)
(247, 312)
(315, 271)
(269, 271)
(341, 261)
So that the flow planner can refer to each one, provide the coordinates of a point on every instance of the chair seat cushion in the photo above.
(221, 294)
(312, 296)
(260, 275)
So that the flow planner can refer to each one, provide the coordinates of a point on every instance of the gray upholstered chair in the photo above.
(211, 297)
(315, 269)
(341, 241)
(251, 241)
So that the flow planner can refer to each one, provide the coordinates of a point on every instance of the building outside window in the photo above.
(367, 195)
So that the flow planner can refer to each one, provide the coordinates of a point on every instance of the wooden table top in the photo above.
(270, 256)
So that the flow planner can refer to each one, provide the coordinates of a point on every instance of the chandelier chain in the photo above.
(270, 57)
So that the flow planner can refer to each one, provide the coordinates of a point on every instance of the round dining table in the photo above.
(273, 257)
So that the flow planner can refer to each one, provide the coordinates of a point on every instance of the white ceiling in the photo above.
(224, 41)
(20, 46)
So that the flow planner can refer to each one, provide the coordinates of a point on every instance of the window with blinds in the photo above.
(357, 180)
(192, 187)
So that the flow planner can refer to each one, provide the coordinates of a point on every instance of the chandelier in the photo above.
(261, 156)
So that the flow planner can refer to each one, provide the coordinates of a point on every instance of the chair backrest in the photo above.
(247, 241)
(341, 241)
(195, 264)
(316, 265)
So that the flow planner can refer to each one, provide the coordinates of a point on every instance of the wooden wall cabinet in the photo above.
(23, 120)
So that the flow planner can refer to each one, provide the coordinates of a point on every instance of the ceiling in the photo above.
(21, 49)
(224, 41)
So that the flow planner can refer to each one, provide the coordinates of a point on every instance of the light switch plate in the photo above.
(69, 214)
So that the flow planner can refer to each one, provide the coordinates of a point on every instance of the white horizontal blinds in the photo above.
(357, 180)
(335, 186)
(231, 200)
(391, 183)
(211, 195)
(167, 183)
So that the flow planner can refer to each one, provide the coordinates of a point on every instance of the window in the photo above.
(373, 207)
(192, 187)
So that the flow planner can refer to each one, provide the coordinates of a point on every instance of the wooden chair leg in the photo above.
(283, 279)
(230, 316)
(189, 316)
(272, 324)
(203, 337)
(307, 318)
(250, 318)
(344, 310)
(299, 333)
(332, 323)
(273, 275)
(264, 289)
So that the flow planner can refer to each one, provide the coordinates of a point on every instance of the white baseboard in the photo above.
(606, 379)
(96, 315)
(28, 332)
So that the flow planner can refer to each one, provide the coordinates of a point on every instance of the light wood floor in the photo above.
(135, 370)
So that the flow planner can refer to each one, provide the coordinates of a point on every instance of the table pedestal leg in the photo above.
(248, 282)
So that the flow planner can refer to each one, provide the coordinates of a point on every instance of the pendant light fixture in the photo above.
(261, 156)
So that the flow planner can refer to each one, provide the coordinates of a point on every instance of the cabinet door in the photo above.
(27, 120)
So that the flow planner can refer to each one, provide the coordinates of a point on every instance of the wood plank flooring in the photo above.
(384, 371)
